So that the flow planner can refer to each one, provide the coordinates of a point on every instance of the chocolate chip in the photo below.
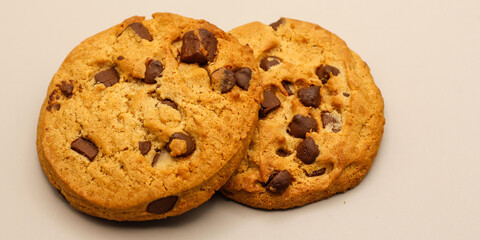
(190, 144)
(243, 76)
(282, 152)
(169, 103)
(288, 87)
(198, 46)
(310, 96)
(329, 120)
(346, 94)
(51, 97)
(55, 106)
(269, 61)
(301, 125)
(141, 30)
(315, 173)
(108, 77)
(66, 89)
(162, 205)
(279, 181)
(324, 72)
(277, 23)
(144, 147)
(307, 151)
(85, 147)
(224, 79)
(120, 58)
(157, 157)
(270, 102)
(154, 69)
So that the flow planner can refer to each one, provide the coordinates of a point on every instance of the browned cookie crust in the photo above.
(321, 117)
(136, 126)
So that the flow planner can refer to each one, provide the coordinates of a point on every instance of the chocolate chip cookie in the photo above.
(149, 118)
(321, 117)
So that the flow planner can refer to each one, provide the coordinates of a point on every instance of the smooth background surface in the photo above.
(424, 184)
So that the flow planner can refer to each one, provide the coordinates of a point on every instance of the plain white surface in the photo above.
(424, 183)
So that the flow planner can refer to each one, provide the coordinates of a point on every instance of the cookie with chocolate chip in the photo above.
(149, 118)
(321, 117)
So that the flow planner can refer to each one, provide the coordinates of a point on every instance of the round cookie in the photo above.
(149, 118)
(321, 117)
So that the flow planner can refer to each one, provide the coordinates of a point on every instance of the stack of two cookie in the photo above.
(149, 118)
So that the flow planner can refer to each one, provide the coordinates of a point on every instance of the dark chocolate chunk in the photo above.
(85, 147)
(188, 140)
(315, 173)
(141, 30)
(144, 147)
(282, 152)
(276, 24)
(269, 61)
(66, 89)
(55, 106)
(288, 87)
(198, 46)
(307, 151)
(270, 102)
(108, 77)
(223, 78)
(243, 76)
(169, 103)
(209, 43)
(120, 58)
(330, 119)
(310, 96)
(301, 125)
(279, 181)
(324, 72)
(162, 205)
(157, 157)
(153, 70)
(346, 94)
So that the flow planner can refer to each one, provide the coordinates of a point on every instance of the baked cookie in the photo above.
(321, 117)
(149, 118)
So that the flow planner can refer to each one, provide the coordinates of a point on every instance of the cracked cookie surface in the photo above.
(321, 117)
(134, 126)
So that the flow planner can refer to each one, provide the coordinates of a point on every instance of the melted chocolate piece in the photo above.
(243, 76)
(269, 61)
(188, 140)
(310, 96)
(279, 181)
(324, 72)
(307, 151)
(85, 147)
(162, 205)
(108, 77)
(198, 46)
(270, 102)
(141, 30)
(301, 125)
(144, 147)
(153, 70)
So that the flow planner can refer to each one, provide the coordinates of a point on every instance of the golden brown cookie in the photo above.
(149, 118)
(321, 117)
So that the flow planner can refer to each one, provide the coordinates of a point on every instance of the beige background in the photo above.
(424, 184)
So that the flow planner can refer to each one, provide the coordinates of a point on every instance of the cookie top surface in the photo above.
(134, 113)
(321, 117)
